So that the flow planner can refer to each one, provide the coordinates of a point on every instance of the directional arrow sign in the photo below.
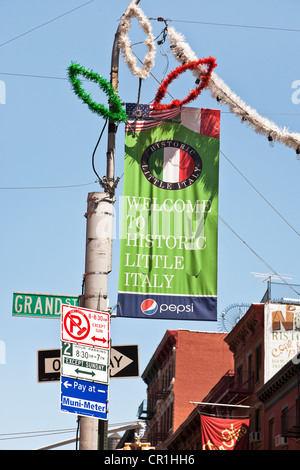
(84, 326)
(48, 365)
(84, 398)
(86, 362)
(124, 361)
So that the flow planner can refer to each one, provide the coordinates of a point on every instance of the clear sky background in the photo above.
(47, 137)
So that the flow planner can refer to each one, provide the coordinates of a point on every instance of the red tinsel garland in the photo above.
(205, 77)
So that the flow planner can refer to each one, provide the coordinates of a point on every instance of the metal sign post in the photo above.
(99, 255)
(99, 228)
(85, 345)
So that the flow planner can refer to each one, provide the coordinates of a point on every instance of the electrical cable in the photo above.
(230, 25)
(261, 195)
(45, 187)
(44, 24)
(93, 155)
(64, 78)
(77, 432)
(257, 255)
(33, 76)
(233, 231)
(31, 434)
(153, 76)
(219, 90)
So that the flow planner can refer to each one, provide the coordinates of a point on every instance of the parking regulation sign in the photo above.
(85, 362)
(84, 326)
(84, 398)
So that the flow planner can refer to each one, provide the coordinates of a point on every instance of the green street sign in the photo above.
(26, 304)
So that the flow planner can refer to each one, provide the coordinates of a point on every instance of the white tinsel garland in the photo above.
(133, 11)
(219, 90)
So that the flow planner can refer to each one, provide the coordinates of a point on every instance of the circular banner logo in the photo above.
(149, 307)
(171, 164)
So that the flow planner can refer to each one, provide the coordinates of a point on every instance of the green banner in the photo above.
(168, 260)
(26, 304)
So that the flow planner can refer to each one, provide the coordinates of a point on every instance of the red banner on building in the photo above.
(224, 434)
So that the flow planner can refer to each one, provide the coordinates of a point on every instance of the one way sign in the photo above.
(124, 361)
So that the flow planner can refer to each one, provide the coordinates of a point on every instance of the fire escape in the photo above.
(159, 418)
(232, 388)
(290, 418)
(291, 422)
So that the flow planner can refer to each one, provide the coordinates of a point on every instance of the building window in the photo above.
(257, 422)
(239, 376)
(258, 368)
(284, 421)
(249, 371)
(171, 415)
(271, 434)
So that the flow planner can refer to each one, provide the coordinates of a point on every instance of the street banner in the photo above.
(224, 434)
(168, 256)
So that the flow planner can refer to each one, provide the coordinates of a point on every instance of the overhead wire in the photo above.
(94, 151)
(45, 24)
(260, 194)
(232, 25)
(45, 433)
(32, 76)
(282, 278)
(238, 236)
(49, 77)
(258, 256)
(246, 179)
(30, 434)
(270, 28)
(173, 20)
(45, 187)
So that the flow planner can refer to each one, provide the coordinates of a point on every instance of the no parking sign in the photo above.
(84, 326)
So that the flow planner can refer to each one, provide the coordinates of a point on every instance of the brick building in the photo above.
(237, 386)
(281, 401)
(183, 369)
(273, 397)
(246, 341)
(271, 400)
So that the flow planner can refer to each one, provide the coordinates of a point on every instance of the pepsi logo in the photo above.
(149, 307)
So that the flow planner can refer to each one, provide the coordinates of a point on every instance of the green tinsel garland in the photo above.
(117, 113)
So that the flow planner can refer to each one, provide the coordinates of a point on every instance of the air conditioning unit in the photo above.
(281, 441)
(254, 437)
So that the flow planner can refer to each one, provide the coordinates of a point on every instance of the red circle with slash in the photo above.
(77, 324)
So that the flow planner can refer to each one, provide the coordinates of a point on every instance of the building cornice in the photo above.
(278, 381)
(253, 318)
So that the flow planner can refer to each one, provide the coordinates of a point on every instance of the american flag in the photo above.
(147, 111)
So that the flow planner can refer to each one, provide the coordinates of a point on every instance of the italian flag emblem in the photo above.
(171, 165)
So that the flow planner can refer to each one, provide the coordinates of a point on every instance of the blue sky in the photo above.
(47, 137)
